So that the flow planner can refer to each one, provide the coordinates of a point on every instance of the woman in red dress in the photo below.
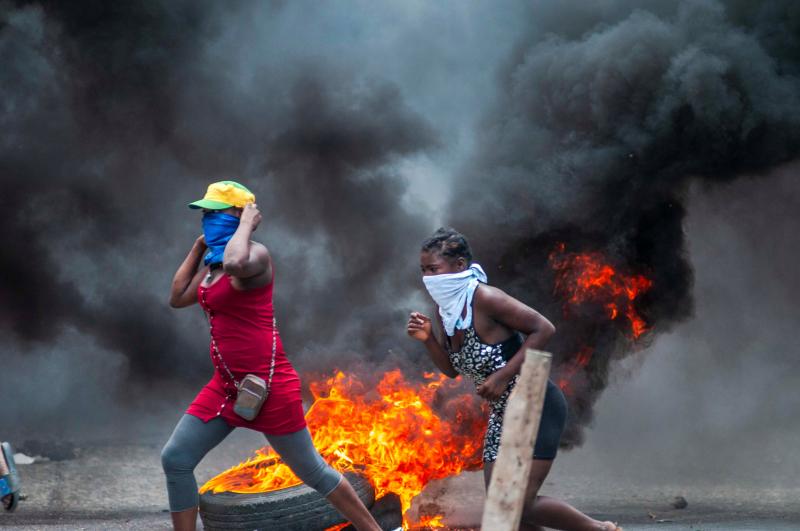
(231, 277)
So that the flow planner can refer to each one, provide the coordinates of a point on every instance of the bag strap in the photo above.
(210, 318)
(274, 349)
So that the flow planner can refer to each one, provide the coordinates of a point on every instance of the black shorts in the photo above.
(554, 417)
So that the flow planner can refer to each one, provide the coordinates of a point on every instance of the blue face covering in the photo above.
(218, 229)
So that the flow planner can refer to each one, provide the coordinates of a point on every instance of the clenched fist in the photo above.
(419, 326)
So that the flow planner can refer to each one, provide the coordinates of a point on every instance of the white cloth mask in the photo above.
(453, 292)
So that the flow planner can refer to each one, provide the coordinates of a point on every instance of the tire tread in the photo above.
(292, 509)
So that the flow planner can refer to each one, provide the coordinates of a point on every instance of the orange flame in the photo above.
(393, 436)
(430, 522)
(588, 277)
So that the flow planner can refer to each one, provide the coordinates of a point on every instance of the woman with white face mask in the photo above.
(486, 333)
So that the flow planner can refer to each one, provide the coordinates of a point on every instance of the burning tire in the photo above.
(298, 508)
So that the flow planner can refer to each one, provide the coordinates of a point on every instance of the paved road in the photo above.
(115, 486)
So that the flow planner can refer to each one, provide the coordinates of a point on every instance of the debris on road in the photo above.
(49, 450)
(22, 459)
(679, 502)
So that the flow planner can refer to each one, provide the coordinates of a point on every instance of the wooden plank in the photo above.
(506, 496)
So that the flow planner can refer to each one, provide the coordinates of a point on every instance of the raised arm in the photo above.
(420, 328)
(515, 315)
(188, 276)
(243, 258)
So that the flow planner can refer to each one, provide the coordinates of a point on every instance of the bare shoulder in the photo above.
(259, 250)
(262, 256)
(260, 246)
(487, 296)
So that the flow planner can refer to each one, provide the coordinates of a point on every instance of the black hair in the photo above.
(450, 243)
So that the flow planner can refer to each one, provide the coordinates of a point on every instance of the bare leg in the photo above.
(346, 501)
(185, 520)
(558, 514)
(543, 511)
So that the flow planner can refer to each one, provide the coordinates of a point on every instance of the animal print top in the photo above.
(478, 360)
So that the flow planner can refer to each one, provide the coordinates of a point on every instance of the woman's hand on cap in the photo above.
(251, 215)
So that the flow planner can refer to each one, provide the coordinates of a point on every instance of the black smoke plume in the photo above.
(114, 115)
(595, 136)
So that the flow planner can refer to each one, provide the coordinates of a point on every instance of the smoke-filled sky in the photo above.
(361, 127)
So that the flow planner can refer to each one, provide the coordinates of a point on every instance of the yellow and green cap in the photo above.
(225, 194)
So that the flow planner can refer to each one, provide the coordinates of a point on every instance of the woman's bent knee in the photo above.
(181, 485)
(175, 460)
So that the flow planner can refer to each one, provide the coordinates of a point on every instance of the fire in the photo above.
(580, 361)
(431, 522)
(588, 277)
(392, 434)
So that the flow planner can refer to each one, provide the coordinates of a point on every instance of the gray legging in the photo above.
(192, 439)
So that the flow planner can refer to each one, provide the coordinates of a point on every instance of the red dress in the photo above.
(241, 325)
